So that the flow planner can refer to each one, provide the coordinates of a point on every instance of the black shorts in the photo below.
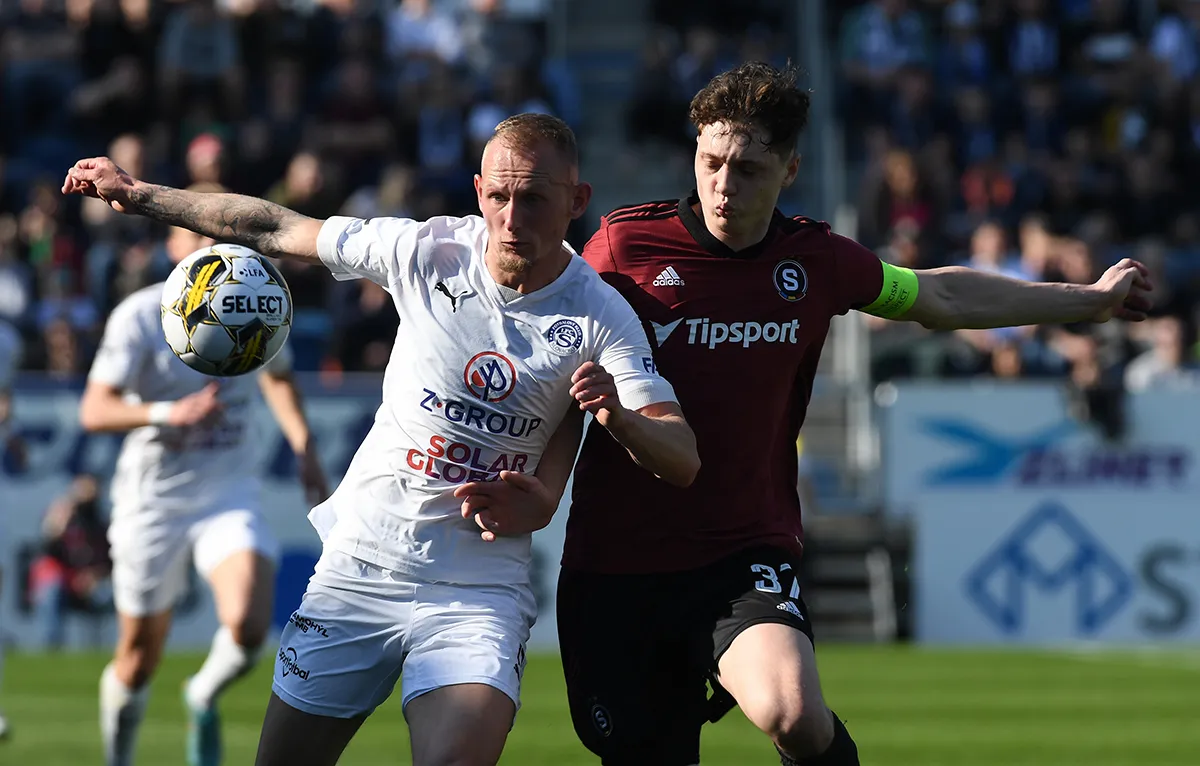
(640, 652)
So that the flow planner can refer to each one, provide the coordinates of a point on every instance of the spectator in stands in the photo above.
(16, 279)
(878, 39)
(896, 198)
(74, 564)
(1166, 362)
(199, 54)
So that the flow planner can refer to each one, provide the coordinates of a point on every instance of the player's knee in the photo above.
(135, 664)
(802, 727)
(249, 633)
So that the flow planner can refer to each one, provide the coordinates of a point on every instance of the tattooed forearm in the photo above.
(242, 220)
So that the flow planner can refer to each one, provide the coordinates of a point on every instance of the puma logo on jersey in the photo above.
(441, 288)
(668, 277)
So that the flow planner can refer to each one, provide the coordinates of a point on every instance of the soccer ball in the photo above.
(226, 310)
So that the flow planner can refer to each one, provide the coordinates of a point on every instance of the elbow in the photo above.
(89, 418)
(939, 323)
(684, 474)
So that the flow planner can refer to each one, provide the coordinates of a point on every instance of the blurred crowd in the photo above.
(1043, 139)
(359, 107)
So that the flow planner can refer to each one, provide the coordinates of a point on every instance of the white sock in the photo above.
(121, 710)
(227, 661)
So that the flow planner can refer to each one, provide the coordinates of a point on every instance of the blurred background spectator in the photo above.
(72, 571)
(1041, 139)
(368, 107)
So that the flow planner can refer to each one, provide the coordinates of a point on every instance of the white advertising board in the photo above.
(1101, 566)
(1032, 528)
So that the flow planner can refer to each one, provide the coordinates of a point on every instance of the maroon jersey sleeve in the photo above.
(598, 253)
(859, 274)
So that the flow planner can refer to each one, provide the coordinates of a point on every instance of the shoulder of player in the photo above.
(142, 307)
(801, 233)
(628, 216)
(145, 301)
(604, 303)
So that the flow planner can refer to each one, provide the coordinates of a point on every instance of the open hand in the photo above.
(1127, 284)
(596, 392)
(195, 409)
(100, 177)
(312, 476)
(515, 504)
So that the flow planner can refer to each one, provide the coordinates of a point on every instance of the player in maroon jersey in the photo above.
(662, 588)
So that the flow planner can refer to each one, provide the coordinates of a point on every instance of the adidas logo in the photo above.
(669, 277)
(788, 606)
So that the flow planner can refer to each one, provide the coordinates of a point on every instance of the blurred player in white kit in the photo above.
(185, 488)
(506, 338)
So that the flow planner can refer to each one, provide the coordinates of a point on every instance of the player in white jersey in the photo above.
(506, 338)
(10, 356)
(184, 488)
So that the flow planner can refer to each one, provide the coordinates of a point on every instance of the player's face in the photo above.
(528, 198)
(739, 180)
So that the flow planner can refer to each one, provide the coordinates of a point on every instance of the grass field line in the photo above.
(1161, 657)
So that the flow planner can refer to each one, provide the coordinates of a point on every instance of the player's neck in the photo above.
(735, 240)
(526, 276)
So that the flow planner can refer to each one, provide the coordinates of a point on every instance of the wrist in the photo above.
(615, 418)
(159, 413)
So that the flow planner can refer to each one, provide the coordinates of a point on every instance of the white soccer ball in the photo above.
(226, 310)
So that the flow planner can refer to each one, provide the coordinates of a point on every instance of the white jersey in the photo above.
(478, 381)
(161, 468)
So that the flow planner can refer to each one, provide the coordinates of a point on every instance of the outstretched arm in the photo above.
(957, 298)
(256, 223)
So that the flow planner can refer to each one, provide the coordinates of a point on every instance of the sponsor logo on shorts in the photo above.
(601, 720)
(519, 665)
(565, 336)
(287, 661)
(304, 624)
(790, 608)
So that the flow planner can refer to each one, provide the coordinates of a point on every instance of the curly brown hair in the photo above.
(755, 95)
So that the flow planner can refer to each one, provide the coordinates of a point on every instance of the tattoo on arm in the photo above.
(236, 218)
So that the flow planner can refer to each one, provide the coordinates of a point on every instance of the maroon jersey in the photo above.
(738, 334)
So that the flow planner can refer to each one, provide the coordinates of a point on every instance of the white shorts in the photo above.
(360, 628)
(150, 552)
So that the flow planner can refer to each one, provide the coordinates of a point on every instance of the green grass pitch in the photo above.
(905, 707)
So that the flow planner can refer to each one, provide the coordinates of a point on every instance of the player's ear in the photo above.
(793, 168)
(479, 191)
(580, 200)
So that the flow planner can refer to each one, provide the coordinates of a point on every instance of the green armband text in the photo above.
(898, 295)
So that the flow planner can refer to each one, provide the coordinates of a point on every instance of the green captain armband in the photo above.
(898, 295)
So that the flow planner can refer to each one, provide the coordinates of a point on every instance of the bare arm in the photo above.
(659, 439)
(558, 459)
(263, 226)
(103, 408)
(283, 397)
(519, 504)
(955, 298)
